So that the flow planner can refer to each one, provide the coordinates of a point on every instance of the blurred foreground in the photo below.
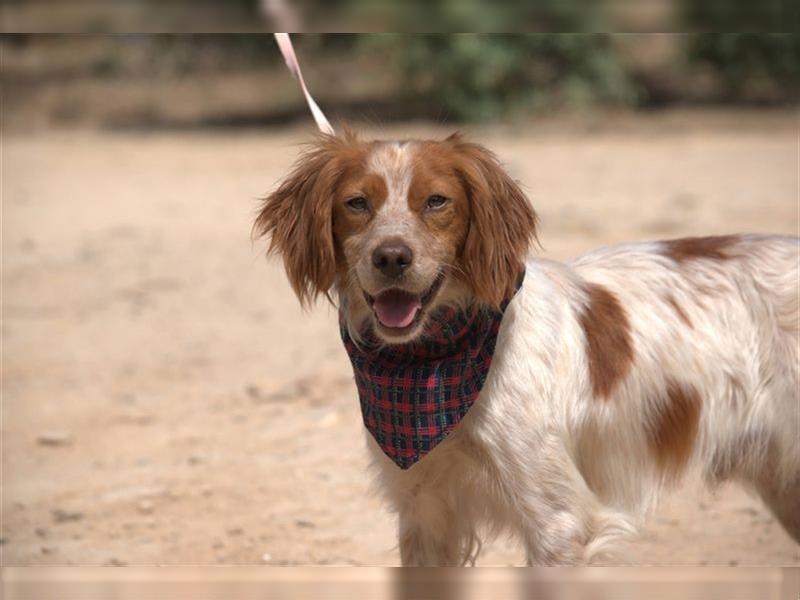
(400, 584)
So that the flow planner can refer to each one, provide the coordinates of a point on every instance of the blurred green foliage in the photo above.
(471, 76)
(420, 16)
(743, 16)
(750, 65)
(486, 76)
(477, 77)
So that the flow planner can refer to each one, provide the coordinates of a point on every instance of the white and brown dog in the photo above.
(613, 375)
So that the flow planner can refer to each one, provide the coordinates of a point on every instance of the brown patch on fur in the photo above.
(346, 222)
(502, 223)
(609, 348)
(675, 429)
(298, 216)
(715, 247)
(434, 174)
(680, 312)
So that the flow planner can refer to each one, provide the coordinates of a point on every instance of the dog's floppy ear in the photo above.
(502, 223)
(298, 218)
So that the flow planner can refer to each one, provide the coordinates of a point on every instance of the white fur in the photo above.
(572, 475)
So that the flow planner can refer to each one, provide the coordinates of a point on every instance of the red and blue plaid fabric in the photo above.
(413, 395)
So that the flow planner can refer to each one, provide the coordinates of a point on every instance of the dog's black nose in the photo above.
(392, 258)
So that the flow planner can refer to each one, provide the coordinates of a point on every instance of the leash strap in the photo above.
(286, 48)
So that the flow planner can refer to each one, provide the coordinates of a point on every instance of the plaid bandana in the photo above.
(413, 395)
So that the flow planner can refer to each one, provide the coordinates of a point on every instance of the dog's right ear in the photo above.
(298, 219)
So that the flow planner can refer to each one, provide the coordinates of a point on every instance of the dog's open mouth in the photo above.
(399, 310)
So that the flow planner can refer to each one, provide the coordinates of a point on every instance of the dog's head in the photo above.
(397, 229)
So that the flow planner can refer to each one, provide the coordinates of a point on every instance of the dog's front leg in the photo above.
(559, 520)
(555, 540)
(428, 533)
(581, 534)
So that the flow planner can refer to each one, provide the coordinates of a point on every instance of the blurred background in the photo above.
(207, 80)
(165, 400)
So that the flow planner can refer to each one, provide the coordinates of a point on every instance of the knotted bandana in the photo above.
(413, 395)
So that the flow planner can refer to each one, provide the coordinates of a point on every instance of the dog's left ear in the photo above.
(502, 223)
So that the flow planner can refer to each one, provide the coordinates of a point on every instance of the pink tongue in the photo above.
(396, 308)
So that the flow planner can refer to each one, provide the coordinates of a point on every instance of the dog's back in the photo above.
(692, 360)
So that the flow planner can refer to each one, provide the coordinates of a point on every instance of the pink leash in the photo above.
(285, 45)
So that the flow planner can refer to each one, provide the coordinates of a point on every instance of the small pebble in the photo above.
(48, 549)
(115, 562)
(54, 438)
(235, 531)
(3, 541)
(304, 523)
(136, 418)
(259, 396)
(62, 516)
(266, 557)
(127, 398)
(145, 506)
(41, 532)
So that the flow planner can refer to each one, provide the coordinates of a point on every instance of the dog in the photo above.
(612, 377)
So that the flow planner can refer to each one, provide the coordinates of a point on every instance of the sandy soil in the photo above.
(165, 401)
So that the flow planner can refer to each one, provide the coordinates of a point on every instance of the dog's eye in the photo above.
(436, 201)
(358, 204)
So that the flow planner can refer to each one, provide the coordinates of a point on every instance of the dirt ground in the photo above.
(165, 400)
